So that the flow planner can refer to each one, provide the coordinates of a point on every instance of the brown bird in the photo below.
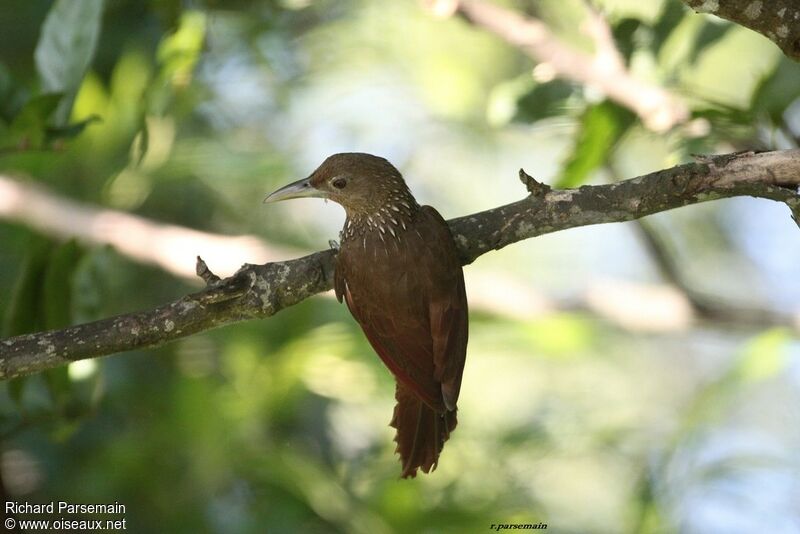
(399, 273)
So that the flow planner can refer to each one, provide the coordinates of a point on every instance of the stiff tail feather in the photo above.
(421, 431)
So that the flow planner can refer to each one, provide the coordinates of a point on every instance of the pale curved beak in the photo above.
(298, 189)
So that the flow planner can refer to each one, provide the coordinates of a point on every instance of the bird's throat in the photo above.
(390, 220)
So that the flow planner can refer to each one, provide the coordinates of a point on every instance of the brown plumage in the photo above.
(399, 273)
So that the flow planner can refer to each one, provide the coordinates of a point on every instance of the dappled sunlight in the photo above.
(339, 379)
(500, 392)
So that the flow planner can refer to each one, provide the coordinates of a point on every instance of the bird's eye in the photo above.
(339, 183)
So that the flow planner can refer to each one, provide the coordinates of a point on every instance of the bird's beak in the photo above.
(298, 189)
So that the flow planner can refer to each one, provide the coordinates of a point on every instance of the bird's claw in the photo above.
(333, 244)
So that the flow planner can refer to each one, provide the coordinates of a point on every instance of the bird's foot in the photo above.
(333, 244)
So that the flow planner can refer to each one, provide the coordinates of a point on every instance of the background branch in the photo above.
(705, 306)
(167, 246)
(659, 109)
(262, 290)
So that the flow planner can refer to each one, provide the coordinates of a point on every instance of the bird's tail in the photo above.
(421, 431)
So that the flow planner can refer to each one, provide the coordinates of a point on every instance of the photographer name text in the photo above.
(63, 507)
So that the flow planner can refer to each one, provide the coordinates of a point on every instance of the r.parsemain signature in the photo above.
(517, 526)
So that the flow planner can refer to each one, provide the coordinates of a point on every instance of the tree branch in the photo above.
(174, 250)
(777, 20)
(258, 291)
(659, 109)
(170, 247)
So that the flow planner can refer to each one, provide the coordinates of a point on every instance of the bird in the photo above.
(398, 271)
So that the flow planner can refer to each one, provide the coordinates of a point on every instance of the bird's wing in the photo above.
(408, 296)
(448, 308)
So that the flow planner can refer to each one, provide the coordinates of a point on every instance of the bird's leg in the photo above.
(334, 244)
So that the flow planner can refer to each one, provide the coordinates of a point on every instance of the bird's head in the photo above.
(361, 183)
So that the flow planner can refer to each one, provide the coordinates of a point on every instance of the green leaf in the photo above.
(602, 125)
(29, 127)
(23, 312)
(66, 48)
(710, 34)
(672, 16)
(69, 131)
(764, 356)
(12, 96)
(141, 143)
(648, 12)
(544, 100)
(523, 99)
(625, 32)
(58, 286)
(178, 53)
(777, 90)
(729, 124)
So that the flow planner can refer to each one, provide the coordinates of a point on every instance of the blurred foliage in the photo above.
(601, 127)
(188, 112)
